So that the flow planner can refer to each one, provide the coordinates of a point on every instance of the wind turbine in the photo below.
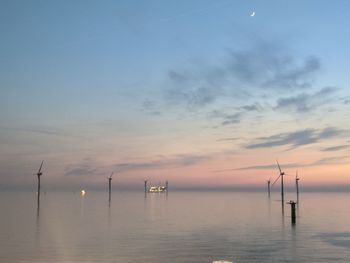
(109, 186)
(297, 185)
(145, 185)
(268, 186)
(39, 173)
(282, 184)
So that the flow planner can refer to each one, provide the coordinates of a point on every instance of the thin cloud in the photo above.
(295, 139)
(150, 107)
(86, 167)
(236, 117)
(38, 130)
(295, 76)
(81, 170)
(226, 119)
(232, 119)
(263, 67)
(261, 167)
(45, 131)
(305, 102)
(323, 161)
(177, 161)
(194, 91)
(253, 107)
(270, 66)
(328, 160)
(227, 139)
(329, 132)
(335, 148)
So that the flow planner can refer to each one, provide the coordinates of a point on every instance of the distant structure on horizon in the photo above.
(159, 188)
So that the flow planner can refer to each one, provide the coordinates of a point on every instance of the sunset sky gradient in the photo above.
(195, 92)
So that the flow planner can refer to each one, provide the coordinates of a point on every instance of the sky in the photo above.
(199, 93)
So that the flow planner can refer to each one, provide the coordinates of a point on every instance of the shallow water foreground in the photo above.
(178, 227)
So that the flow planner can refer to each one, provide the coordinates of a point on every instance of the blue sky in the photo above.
(173, 90)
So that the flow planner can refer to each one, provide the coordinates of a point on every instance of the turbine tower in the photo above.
(268, 187)
(145, 185)
(109, 186)
(282, 183)
(297, 185)
(39, 173)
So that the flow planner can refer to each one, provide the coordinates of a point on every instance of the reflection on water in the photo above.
(38, 212)
(180, 227)
(336, 239)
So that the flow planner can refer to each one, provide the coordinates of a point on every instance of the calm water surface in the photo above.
(178, 227)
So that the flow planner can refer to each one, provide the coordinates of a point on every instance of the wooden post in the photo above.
(293, 214)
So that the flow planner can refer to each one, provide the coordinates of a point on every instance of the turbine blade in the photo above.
(276, 180)
(111, 175)
(279, 167)
(41, 165)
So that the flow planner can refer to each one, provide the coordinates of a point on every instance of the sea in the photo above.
(241, 227)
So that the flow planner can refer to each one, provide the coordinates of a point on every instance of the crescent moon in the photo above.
(252, 14)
